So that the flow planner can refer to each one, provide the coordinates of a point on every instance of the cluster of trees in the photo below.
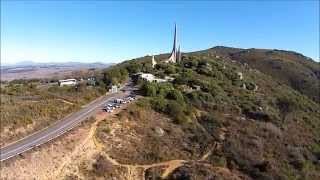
(167, 99)
(115, 75)
(219, 86)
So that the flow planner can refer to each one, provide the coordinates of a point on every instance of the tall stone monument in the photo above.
(175, 55)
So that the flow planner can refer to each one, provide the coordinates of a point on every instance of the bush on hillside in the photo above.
(115, 75)
(133, 67)
(164, 89)
(159, 104)
(174, 108)
(149, 89)
(170, 69)
(175, 94)
(176, 111)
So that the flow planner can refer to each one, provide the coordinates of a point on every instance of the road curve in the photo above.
(56, 129)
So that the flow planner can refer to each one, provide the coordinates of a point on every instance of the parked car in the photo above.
(133, 97)
(130, 98)
(108, 109)
(118, 101)
(111, 106)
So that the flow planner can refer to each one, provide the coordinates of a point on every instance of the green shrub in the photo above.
(164, 89)
(170, 69)
(175, 95)
(181, 119)
(159, 104)
(143, 103)
(149, 89)
(210, 120)
(219, 161)
(115, 75)
(134, 67)
(106, 130)
(174, 108)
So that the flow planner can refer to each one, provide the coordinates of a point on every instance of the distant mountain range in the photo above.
(58, 64)
(31, 70)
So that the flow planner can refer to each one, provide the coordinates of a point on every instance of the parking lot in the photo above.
(114, 103)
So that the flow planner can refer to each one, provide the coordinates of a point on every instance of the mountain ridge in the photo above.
(288, 67)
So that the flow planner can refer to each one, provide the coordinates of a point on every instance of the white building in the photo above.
(113, 89)
(67, 82)
(147, 77)
(153, 61)
(151, 78)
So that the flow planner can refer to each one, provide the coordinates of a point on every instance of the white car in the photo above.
(130, 98)
(108, 109)
(110, 106)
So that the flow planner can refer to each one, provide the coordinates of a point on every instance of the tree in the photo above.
(175, 94)
(134, 67)
(164, 89)
(159, 104)
(149, 89)
(174, 109)
(170, 69)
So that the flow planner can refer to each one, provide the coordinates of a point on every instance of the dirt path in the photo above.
(134, 171)
(77, 150)
(65, 101)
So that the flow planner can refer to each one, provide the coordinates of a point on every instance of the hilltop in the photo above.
(229, 113)
(292, 68)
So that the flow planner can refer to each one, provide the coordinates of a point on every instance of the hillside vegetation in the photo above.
(291, 68)
(235, 106)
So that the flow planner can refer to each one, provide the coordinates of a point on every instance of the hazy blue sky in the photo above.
(114, 31)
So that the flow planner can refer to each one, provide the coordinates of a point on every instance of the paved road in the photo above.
(58, 128)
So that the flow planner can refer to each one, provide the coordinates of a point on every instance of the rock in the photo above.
(251, 86)
(159, 131)
(257, 115)
(243, 86)
(240, 75)
(296, 158)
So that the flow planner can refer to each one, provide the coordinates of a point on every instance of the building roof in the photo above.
(65, 80)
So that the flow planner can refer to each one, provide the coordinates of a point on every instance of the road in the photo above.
(58, 128)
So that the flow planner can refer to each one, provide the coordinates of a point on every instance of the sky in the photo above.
(109, 32)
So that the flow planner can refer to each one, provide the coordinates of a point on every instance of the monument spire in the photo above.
(173, 55)
(178, 55)
(175, 39)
